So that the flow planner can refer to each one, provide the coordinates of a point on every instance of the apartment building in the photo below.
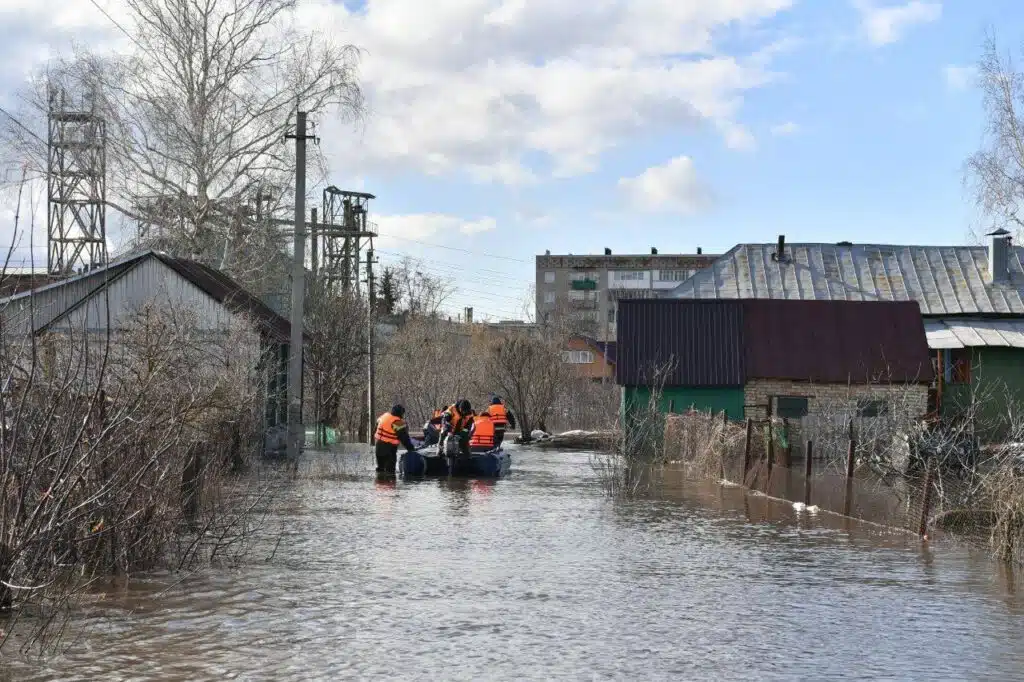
(586, 289)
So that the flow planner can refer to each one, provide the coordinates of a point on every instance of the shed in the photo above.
(741, 355)
(105, 297)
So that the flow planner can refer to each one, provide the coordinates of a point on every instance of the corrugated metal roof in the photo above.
(69, 294)
(699, 342)
(956, 333)
(727, 343)
(833, 342)
(944, 280)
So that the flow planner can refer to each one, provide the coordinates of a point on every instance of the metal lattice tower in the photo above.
(76, 185)
(345, 232)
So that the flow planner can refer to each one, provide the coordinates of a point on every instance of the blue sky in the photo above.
(507, 127)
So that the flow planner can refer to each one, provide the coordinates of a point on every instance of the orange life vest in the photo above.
(458, 420)
(499, 415)
(437, 414)
(388, 426)
(483, 432)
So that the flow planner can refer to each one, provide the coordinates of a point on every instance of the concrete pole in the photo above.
(371, 392)
(296, 433)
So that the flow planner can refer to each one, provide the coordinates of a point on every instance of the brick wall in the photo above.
(835, 398)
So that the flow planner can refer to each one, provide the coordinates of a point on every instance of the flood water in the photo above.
(540, 576)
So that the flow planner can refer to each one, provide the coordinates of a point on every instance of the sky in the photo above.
(498, 129)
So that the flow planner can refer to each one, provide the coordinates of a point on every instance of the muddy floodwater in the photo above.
(540, 576)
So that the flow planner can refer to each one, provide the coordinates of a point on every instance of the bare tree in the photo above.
(429, 363)
(336, 356)
(197, 117)
(415, 292)
(527, 370)
(995, 173)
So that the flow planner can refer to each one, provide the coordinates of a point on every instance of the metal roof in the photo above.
(688, 343)
(951, 333)
(213, 283)
(944, 280)
(729, 342)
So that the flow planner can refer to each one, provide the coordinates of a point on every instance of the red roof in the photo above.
(729, 342)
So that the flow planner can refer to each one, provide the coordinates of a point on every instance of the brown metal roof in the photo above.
(836, 341)
(685, 342)
(728, 342)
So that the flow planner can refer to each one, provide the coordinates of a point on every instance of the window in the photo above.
(581, 276)
(872, 408)
(611, 314)
(588, 315)
(674, 275)
(549, 297)
(577, 357)
(790, 406)
(957, 366)
(629, 275)
(549, 277)
(575, 295)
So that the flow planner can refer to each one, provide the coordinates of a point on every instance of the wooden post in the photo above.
(725, 428)
(771, 460)
(671, 406)
(926, 502)
(850, 461)
(746, 449)
(787, 453)
(770, 447)
(809, 452)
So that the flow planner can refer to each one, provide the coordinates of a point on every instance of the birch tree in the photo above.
(197, 116)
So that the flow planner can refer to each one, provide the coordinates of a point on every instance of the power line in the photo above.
(454, 248)
(20, 124)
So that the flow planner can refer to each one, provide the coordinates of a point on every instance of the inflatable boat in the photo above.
(427, 462)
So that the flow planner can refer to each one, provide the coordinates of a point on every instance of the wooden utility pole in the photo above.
(296, 433)
(371, 320)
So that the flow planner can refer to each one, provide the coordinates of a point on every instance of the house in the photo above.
(758, 357)
(971, 299)
(590, 358)
(107, 297)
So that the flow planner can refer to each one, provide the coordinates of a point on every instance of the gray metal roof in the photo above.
(954, 333)
(944, 280)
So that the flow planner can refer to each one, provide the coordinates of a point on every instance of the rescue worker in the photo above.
(432, 429)
(482, 437)
(391, 432)
(502, 418)
(455, 423)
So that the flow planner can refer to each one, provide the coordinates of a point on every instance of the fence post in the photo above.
(850, 455)
(807, 472)
(725, 429)
(671, 406)
(926, 502)
(771, 461)
(787, 453)
(746, 449)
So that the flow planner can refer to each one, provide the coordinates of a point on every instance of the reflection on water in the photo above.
(540, 576)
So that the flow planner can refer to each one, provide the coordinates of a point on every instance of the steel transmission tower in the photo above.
(76, 185)
(345, 232)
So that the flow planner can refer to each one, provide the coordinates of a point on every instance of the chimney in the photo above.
(780, 250)
(654, 251)
(699, 251)
(469, 315)
(547, 252)
(607, 251)
(999, 256)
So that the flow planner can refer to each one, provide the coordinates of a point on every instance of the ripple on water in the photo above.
(540, 576)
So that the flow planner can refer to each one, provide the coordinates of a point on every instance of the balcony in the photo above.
(583, 284)
(583, 304)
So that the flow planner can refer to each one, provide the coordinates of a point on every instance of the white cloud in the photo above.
(883, 25)
(784, 129)
(395, 229)
(959, 77)
(499, 91)
(672, 187)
